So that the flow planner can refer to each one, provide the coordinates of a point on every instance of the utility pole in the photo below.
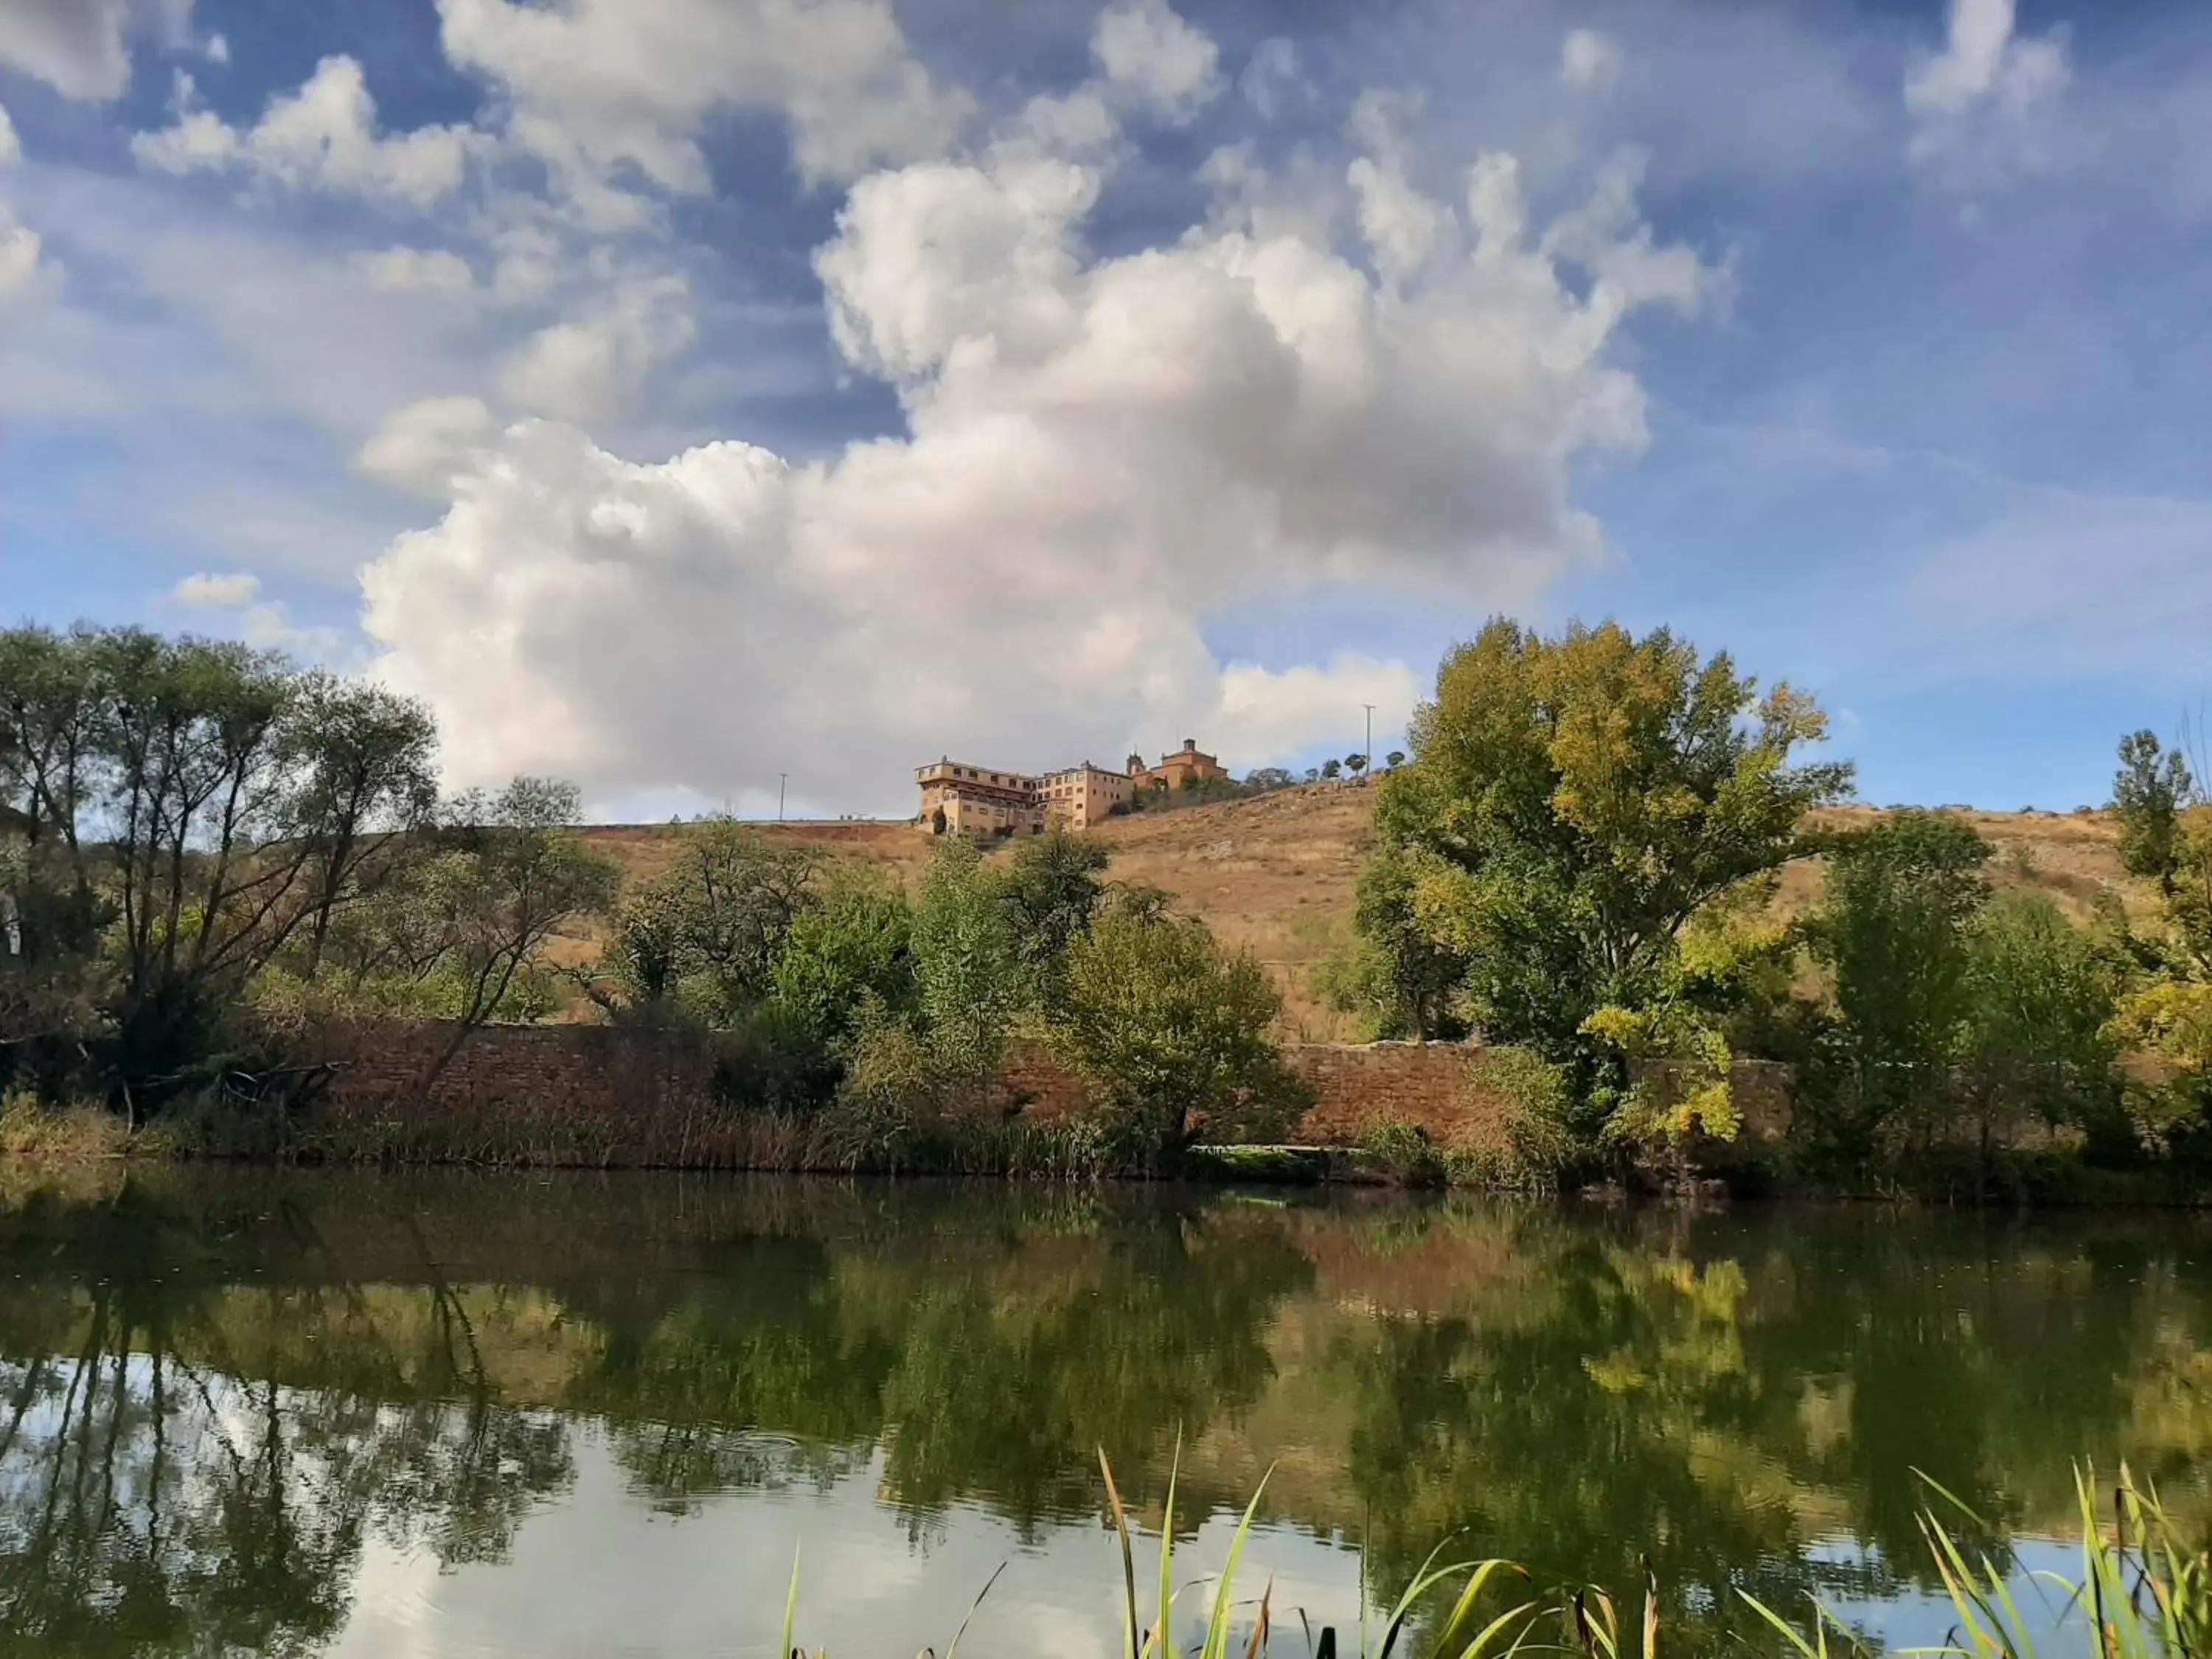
(780, 779)
(1368, 753)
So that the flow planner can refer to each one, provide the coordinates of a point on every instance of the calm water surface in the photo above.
(376, 1415)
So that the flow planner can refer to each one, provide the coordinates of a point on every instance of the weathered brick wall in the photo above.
(1433, 1084)
(1357, 1086)
(640, 1089)
(579, 1068)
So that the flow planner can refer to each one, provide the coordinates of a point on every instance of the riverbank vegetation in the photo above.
(1580, 860)
(209, 859)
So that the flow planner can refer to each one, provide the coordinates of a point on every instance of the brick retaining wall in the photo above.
(650, 1087)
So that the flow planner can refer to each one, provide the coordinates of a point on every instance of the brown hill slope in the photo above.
(1276, 874)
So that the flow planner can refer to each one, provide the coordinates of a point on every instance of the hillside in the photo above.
(1276, 874)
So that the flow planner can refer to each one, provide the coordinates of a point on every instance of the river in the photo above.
(373, 1415)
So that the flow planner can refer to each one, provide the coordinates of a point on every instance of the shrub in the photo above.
(1534, 1147)
(1403, 1153)
(1175, 1029)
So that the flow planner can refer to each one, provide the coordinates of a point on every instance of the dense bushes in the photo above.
(207, 854)
(887, 1017)
(1580, 862)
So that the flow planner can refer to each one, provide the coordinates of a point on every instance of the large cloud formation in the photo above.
(1100, 455)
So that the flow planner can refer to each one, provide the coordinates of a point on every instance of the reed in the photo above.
(2144, 1593)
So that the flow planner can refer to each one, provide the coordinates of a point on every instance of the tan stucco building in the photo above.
(1081, 796)
(1188, 763)
(985, 801)
(980, 800)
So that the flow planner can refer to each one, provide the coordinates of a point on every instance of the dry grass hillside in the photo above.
(1275, 875)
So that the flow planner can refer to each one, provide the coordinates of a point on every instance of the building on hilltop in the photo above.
(957, 799)
(960, 799)
(1188, 764)
(1081, 796)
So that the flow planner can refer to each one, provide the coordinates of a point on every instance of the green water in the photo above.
(378, 1415)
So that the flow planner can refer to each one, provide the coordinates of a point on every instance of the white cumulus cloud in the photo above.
(324, 137)
(80, 47)
(1100, 453)
(425, 446)
(597, 84)
(1153, 56)
(257, 621)
(21, 267)
(594, 366)
(416, 270)
(1970, 103)
(1589, 58)
(208, 590)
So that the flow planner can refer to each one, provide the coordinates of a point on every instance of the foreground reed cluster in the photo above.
(2144, 1593)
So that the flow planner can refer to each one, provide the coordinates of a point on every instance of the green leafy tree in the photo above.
(1262, 779)
(2041, 996)
(1355, 764)
(1332, 769)
(514, 874)
(1570, 805)
(1052, 884)
(2150, 792)
(1894, 933)
(852, 949)
(189, 815)
(1394, 759)
(1176, 1031)
(704, 936)
(367, 763)
(1414, 981)
(971, 977)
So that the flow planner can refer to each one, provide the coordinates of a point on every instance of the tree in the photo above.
(852, 948)
(52, 727)
(2041, 994)
(705, 935)
(1894, 932)
(2150, 792)
(970, 974)
(1332, 769)
(1570, 805)
(1176, 1031)
(514, 873)
(1355, 764)
(1261, 779)
(367, 763)
(191, 813)
(1052, 884)
(1394, 759)
(1420, 977)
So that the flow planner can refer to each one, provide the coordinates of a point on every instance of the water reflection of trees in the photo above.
(213, 1398)
(158, 1493)
(1720, 1397)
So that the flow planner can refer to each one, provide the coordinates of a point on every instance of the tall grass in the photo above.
(2145, 1592)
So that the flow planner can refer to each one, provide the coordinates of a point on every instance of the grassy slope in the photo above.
(1275, 875)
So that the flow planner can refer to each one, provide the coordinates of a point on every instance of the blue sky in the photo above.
(676, 393)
